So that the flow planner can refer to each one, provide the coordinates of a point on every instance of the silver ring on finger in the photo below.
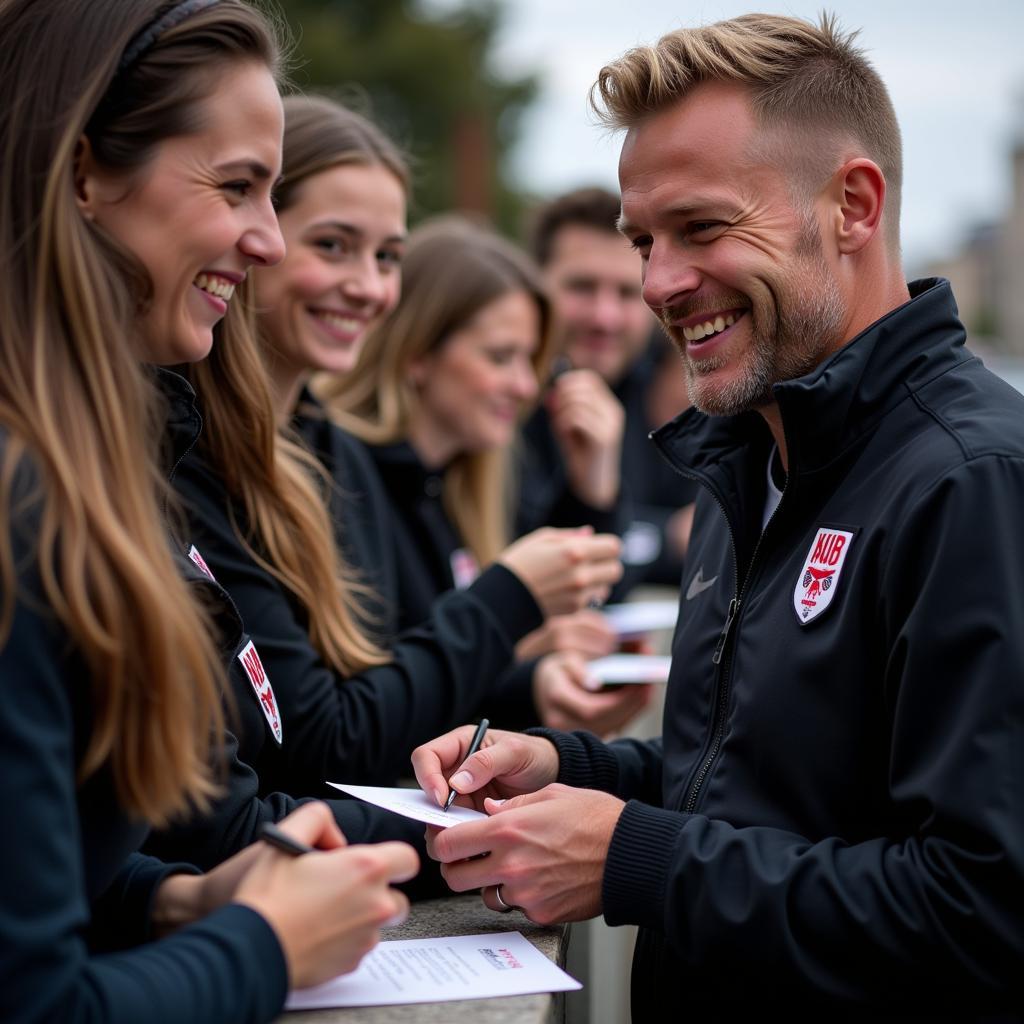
(505, 907)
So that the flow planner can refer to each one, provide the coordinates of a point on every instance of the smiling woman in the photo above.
(198, 214)
(450, 373)
(138, 143)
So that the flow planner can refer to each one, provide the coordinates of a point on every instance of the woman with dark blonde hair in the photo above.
(444, 381)
(139, 142)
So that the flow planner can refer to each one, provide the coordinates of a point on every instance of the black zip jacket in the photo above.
(244, 806)
(389, 483)
(73, 891)
(361, 728)
(834, 824)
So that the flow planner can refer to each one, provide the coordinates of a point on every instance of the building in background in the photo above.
(987, 273)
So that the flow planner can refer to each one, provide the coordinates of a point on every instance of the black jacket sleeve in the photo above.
(628, 769)
(228, 968)
(935, 906)
(239, 813)
(362, 728)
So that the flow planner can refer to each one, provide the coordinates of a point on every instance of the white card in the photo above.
(635, 618)
(438, 970)
(412, 803)
(630, 668)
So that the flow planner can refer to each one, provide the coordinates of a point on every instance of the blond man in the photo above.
(832, 823)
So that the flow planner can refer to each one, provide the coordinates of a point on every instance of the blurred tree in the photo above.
(424, 75)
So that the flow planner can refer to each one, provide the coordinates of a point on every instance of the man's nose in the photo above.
(669, 277)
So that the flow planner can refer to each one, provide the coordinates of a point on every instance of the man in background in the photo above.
(604, 327)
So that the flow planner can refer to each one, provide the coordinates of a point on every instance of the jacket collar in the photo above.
(183, 422)
(841, 399)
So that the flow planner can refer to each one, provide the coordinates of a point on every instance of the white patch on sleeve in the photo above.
(250, 659)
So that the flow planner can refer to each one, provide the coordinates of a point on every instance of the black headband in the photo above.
(149, 35)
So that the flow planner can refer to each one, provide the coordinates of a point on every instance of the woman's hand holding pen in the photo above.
(326, 908)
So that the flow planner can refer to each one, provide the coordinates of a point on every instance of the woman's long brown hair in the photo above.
(77, 406)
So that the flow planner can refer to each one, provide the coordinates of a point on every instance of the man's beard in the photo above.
(787, 340)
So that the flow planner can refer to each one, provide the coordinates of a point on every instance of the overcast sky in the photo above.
(955, 71)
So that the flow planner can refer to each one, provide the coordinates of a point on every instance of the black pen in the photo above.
(478, 737)
(283, 842)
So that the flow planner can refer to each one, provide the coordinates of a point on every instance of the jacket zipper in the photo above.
(722, 703)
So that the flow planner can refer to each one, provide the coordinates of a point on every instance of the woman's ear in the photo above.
(85, 179)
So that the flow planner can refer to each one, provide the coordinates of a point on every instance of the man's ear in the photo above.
(859, 195)
(86, 180)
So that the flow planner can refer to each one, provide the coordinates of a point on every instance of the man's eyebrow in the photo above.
(623, 226)
(699, 205)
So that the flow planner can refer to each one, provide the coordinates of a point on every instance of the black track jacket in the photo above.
(834, 823)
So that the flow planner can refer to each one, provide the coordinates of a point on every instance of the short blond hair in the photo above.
(803, 78)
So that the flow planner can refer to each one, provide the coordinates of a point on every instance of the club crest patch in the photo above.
(193, 554)
(819, 578)
(250, 659)
(465, 568)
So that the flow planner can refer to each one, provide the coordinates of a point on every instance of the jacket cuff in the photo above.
(250, 942)
(121, 917)
(639, 864)
(571, 511)
(583, 760)
(510, 601)
(510, 704)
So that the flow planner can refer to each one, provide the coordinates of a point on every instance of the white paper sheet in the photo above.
(630, 668)
(412, 803)
(439, 970)
(635, 618)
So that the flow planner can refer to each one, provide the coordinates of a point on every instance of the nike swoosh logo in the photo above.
(698, 584)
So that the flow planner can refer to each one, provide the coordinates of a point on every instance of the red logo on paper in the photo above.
(820, 574)
(250, 659)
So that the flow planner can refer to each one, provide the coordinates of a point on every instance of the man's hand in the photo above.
(588, 421)
(546, 850)
(507, 764)
(565, 698)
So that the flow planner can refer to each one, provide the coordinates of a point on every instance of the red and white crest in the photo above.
(819, 578)
(465, 568)
(193, 553)
(250, 659)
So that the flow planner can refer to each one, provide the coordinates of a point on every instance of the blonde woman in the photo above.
(139, 143)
